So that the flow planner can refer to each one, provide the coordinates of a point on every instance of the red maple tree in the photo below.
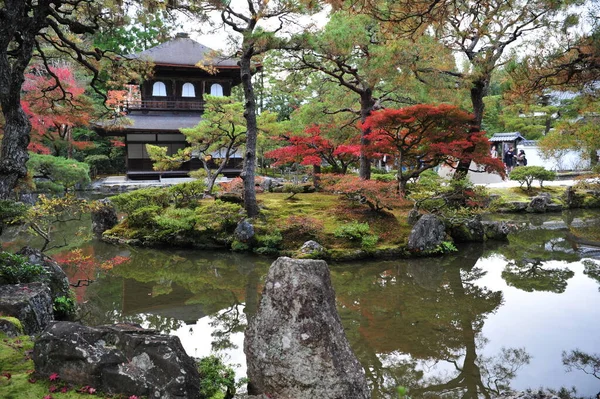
(313, 148)
(424, 136)
(54, 109)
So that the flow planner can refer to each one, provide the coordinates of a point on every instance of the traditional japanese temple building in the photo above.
(172, 99)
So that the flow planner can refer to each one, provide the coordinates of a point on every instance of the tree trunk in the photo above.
(478, 92)
(366, 107)
(249, 168)
(14, 148)
(316, 174)
(20, 26)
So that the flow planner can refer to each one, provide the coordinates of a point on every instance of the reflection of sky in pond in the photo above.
(545, 324)
(196, 340)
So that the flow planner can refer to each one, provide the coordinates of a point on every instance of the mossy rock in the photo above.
(10, 326)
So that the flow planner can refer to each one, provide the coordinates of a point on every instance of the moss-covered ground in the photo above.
(17, 380)
(327, 212)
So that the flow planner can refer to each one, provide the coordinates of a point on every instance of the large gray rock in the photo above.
(311, 248)
(104, 216)
(539, 203)
(55, 276)
(244, 231)
(10, 326)
(30, 303)
(471, 230)
(119, 359)
(295, 345)
(497, 230)
(427, 234)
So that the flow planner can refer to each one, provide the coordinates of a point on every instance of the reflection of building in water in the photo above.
(172, 302)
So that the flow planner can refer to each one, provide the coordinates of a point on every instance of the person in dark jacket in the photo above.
(509, 158)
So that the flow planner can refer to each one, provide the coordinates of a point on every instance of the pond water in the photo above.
(462, 325)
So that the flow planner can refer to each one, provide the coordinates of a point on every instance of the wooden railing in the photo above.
(166, 104)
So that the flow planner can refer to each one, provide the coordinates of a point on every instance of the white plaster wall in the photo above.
(571, 160)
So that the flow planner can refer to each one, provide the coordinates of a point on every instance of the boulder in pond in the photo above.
(30, 303)
(497, 230)
(119, 359)
(295, 345)
(471, 230)
(427, 234)
(104, 216)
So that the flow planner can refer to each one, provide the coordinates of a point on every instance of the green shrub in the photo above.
(527, 174)
(16, 269)
(368, 242)
(144, 216)
(64, 307)
(448, 197)
(61, 173)
(219, 216)
(238, 246)
(99, 164)
(132, 201)
(353, 231)
(11, 211)
(269, 243)
(216, 378)
(176, 220)
(185, 193)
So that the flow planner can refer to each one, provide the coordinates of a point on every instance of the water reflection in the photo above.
(432, 312)
(459, 326)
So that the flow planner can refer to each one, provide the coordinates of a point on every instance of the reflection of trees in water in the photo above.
(592, 269)
(402, 316)
(215, 285)
(531, 256)
(536, 276)
(582, 361)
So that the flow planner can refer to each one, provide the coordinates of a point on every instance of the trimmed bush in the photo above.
(176, 220)
(99, 164)
(185, 194)
(144, 216)
(527, 174)
(60, 173)
(268, 244)
(219, 216)
(132, 201)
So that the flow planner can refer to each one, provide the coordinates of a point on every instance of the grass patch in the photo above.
(330, 212)
(520, 194)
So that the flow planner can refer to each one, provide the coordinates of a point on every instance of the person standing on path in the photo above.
(521, 160)
(509, 158)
